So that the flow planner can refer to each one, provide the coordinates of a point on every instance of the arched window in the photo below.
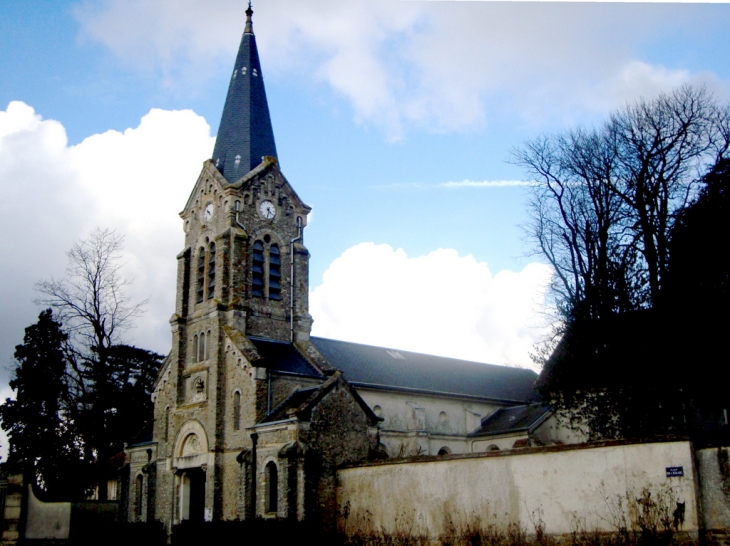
(272, 487)
(258, 273)
(236, 410)
(167, 423)
(201, 347)
(207, 345)
(138, 495)
(274, 273)
(200, 287)
(195, 348)
(211, 270)
(444, 451)
(266, 270)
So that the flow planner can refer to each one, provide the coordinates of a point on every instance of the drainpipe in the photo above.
(268, 391)
(236, 207)
(291, 278)
(254, 440)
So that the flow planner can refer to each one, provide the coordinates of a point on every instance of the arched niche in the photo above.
(191, 440)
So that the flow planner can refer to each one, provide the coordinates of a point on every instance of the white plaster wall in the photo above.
(502, 442)
(47, 520)
(401, 413)
(714, 488)
(555, 485)
(553, 431)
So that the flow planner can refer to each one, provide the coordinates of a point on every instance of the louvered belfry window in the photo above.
(266, 270)
(274, 273)
(211, 270)
(200, 288)
(258, 273)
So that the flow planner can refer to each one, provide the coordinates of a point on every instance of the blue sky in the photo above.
(376, 107)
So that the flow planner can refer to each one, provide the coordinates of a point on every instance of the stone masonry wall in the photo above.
(339, 434)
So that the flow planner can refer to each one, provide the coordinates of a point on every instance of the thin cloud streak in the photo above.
(486, 184)
(457, 185)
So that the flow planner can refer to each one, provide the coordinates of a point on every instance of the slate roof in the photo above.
(294, 401)
(281, 356)
(302, 401)
(245, 133)
(378, 367)
(514, 419)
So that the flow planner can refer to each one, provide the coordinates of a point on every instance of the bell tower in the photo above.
(245, 262)
(242, 284)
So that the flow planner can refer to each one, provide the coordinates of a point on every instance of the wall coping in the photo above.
(521, 451)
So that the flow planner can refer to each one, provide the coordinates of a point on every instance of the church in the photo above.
(252, 414)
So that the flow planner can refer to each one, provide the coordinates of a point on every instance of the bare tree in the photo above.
(576, 222)
(605, 199)
(109, 381)
(664, 146)
(602, 212)
(91, 301)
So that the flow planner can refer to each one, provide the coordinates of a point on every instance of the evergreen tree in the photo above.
(116, 406)
(41, 437)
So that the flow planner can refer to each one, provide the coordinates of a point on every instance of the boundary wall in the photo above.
(597, 486)
(714, 472)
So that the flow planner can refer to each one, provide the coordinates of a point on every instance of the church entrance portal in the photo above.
(192, 495)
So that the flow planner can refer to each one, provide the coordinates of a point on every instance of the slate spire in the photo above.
(245, 134)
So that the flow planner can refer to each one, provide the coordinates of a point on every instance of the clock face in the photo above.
(208, 214)
(267, 209)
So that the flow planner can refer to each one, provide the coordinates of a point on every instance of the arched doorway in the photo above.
(190, 462)
(272, 488)
(192, 495)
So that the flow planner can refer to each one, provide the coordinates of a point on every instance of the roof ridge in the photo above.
(504, 366)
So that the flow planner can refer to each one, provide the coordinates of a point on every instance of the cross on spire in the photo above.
(249, 23)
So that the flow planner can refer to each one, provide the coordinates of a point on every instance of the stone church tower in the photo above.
(240, 344)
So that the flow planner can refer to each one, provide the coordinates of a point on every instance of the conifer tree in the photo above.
(42, 440)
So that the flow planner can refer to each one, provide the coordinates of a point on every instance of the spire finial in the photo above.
(249, 23)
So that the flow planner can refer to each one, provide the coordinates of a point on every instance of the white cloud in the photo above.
(442, 66)
(636, 80)
(41, 213)
(5, 393)
(441, 303)
(52, 194)
(139, 181)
